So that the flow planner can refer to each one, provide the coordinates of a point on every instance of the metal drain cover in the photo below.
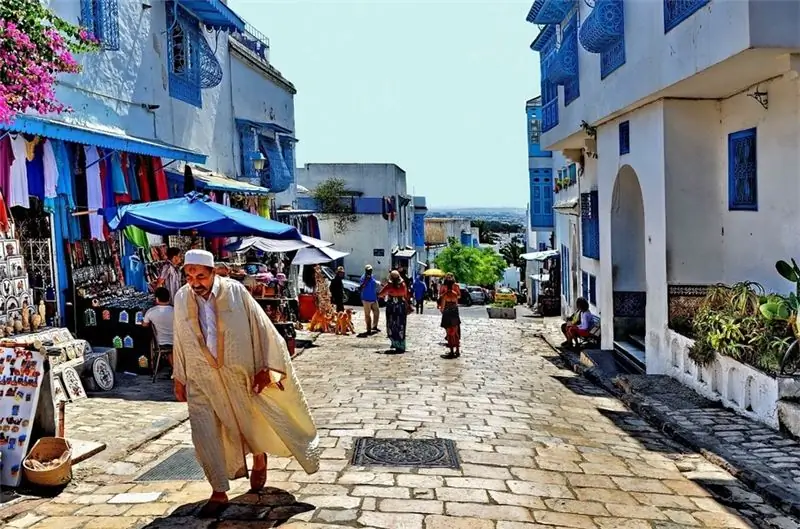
(180, 466)
(419, 453)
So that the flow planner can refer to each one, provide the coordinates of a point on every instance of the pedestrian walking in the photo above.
(233, 369)
(170, 275)
(337, 289)
(420, 290)
(397, 309)
(449, 295)
(369, 298)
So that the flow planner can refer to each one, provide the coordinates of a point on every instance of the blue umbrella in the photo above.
(196, 213)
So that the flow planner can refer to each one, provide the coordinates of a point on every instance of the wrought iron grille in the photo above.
(676, 11)
(612, 59)
(183, 54)
(101, 19)
(742, 171)
(34, 238)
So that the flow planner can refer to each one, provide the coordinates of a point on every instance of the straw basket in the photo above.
(47, 449)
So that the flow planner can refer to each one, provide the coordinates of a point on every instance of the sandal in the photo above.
(214, 506)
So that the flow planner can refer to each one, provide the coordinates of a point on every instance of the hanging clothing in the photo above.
(18, 181)
(4, 224)
(64, 185)
(35, 169)
(30, 148)
(129, 163)
(160, 179)
(263, 207)
(6, 161)
(118, 185)
(146, 189)
(108, 193)
(137, 237)
(94, 192)
(50, 170)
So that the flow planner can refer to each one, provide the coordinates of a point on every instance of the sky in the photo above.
(437, 87)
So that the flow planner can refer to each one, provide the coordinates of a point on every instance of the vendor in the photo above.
(170, 276)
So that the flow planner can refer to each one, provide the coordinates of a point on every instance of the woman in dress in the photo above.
(397, 308)
(449, 295)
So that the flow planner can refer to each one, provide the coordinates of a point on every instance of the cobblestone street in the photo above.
(540, 447)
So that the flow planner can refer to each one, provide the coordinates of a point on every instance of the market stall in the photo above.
(544, 282)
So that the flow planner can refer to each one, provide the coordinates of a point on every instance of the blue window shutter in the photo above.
(279, 176)
(676, 11)
(569, 45)
(541, 200)
(585, 285)
(625, 137)
(287, 148)
(590, 226)
(742, 171)
(183, 55)
(593, 290)
(612, 59)
(101, 19)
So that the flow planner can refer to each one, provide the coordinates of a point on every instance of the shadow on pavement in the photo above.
(270, 507)
(139, 387)
(580, 386)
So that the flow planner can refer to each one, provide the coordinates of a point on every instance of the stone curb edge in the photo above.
(778, 496)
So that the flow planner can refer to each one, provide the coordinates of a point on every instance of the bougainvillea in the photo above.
(35, 46)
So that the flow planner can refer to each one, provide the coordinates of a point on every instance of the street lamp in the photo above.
(258, 160)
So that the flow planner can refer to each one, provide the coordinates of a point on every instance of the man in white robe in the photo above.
(234, 370)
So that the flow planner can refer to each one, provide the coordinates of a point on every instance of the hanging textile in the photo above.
(118, 185)
(160, 179)
(34, 168)
(313, 227)
(18, 181)
(94, 192)
(146, 190)
(64, 185)
(50, 170)
(3, 214)
(6, 161)
(137, 237)
(108, 192)
(264, 207)
(130, 175)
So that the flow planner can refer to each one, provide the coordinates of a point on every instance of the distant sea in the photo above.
(512, 215)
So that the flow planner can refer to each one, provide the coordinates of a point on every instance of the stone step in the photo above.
(607, 362)
(789, 417)
(637, 341)
(631, 355)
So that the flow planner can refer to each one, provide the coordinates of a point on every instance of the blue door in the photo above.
(541, 183)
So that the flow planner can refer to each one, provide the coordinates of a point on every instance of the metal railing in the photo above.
(254, 41)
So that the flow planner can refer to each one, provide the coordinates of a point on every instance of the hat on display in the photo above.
(198, 257)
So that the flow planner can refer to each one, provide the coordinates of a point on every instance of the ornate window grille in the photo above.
(193, 65)
(676, 11)
(545, 44)
(742, 171)
(625, 137)
(590, 226)
(568, 58)
(101, 19)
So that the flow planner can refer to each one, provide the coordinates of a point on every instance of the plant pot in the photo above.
(502, 313)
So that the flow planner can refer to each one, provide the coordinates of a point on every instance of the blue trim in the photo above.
(534, 10)
(565, 69)
(545, 44)
(234, 187)
(183, 36)
(590, 226)
(742, 171)
(264, 126)
(543, 39)
(676, 11)
(612, 59)
(625, 137)
(541, 198)
(101, 19)
(119, 142)
(604, 26)
(553, 11)
(214, 14)
(592, 290)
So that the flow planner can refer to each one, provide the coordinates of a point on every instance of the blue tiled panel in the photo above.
(742, 171)
(676, 11)
(629, 304)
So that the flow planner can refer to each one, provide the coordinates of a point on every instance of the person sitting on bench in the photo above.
(579, 324)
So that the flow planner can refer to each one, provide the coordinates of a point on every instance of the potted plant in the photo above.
(502, 310)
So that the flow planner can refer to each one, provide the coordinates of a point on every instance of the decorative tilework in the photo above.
(676, 11)
(742, 171)
(684, 300)
(629, 304)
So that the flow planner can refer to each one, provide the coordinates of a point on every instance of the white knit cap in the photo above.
(198, 257)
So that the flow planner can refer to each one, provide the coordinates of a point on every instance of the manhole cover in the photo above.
(180, 466)
(427, 453)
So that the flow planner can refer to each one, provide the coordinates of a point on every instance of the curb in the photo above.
(780, 497)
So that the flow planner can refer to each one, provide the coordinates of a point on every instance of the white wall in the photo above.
(656, 61)
(368, 233)
(372, 179)
(707, 243)
(115, 84)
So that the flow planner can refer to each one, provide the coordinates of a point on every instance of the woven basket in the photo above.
(46, 449)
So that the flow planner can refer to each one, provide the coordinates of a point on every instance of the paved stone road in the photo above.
(540, 448)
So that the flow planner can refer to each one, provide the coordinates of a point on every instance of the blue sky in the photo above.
(437, 87)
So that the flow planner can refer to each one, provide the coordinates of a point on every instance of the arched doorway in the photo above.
(628, 272)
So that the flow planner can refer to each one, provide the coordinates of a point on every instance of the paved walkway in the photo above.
(540, 448)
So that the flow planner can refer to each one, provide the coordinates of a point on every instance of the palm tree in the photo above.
(512, 253)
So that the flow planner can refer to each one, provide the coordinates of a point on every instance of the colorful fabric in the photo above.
(396, 317)
(17, 193)
(160, 178)
(6, 161)
(227, 419)
(451, 321)
(118, 184)
(50, 170)
(35, 169)
(94, 192)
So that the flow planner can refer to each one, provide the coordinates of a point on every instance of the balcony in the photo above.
(255, 41)
(550, 11)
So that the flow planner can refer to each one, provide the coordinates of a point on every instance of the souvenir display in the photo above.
(59, 395)
(21, 372)
(73, 384)
(103, 374)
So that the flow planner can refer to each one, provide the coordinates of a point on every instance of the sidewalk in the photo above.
(764, 459)
(538, 447)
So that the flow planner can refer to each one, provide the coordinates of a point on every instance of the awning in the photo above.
(209, 180)
(214, 14)
(273, 246)
(312, 256)
(405, 254)
(113, 139)
(567, 207)
(265, 125)
(541, 278)
(539, 256)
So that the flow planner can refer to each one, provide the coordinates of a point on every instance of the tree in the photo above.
(474, 266)
(35, 46)
(512, 252)
(331, 200)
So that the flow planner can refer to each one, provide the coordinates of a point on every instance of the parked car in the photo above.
(505, 294)
(466, 297)
(477, 294)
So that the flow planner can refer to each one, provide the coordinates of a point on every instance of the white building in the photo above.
(439, 232)
(173, 80)
(685, 104)
(382, 233)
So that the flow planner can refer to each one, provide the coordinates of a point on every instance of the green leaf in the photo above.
(787, 271)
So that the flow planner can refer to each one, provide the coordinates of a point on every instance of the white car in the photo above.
(477, 295)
